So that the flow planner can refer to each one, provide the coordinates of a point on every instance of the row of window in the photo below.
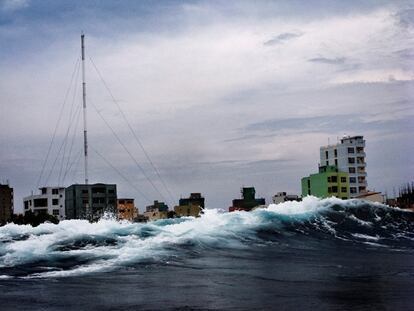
(98, 190)
(350, 150)
(98, 201)
(334, 189)
(335, 179)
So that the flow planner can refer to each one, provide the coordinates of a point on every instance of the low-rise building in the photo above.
(158, 210)
(328, 182)
(6, 203)
(281, 197)
(191, 206)
(90, 201)
(126, 209)
(372, 196)
(50, 200)
(248, 200)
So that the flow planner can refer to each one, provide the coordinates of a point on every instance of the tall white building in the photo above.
(348, 156)
(50, 200)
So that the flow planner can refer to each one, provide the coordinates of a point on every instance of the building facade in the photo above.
(6, 203)
(191, 206)
(90, 201)
(248, 200)
(281, 197)
(348, 156)
(126, 209)
(158, 210)
(330, 181)
(50, 200)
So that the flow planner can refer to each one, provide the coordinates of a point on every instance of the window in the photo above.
(352, 180)
(334, 189)
(98, 200)
(85, 191)
(85, 201)
(326, 154)
(44, 190)
(336, 153)
(55, 191)
(344, 198)
(111, 191)
(343, 179)
(351, 150)
(98, 190)
(40, 202)
(351, 160)
(352, 190)
(336, 162)
(55, 201)
(329, 189)
(343, 189)
(329, 178)
(327, 163)
(55, 212)
(352, 170)
(334, 178)
(26, 204)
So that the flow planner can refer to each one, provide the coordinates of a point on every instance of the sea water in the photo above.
(314, 254)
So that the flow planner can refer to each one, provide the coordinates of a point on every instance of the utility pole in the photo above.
(85, 132)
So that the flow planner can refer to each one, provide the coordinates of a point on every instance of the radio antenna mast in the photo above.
(85, 131)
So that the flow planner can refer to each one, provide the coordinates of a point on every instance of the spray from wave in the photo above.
(76, 247)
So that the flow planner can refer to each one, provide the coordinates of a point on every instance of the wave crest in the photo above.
(76, 247)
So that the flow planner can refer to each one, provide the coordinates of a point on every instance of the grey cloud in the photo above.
(406, 17)
(283, 37)
(405, 53)
(330, 61)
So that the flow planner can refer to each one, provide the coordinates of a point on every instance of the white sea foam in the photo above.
(108, 244)
(366, 237)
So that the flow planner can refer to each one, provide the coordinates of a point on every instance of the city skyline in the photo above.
(221, 95)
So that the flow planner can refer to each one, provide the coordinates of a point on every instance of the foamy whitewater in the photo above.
(77, 247)
(315, 254)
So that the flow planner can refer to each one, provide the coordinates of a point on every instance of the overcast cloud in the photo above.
(221, 95)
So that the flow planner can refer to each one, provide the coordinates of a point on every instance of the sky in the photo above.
(221, 94)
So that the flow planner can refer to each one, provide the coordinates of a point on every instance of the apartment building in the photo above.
(348, 156)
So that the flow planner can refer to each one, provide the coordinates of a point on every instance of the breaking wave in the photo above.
(76, 247)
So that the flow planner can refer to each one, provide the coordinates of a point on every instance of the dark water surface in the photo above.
(323, 255)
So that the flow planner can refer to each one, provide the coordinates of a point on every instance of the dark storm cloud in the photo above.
(282, 38)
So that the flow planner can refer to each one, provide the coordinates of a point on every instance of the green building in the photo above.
(327, 183)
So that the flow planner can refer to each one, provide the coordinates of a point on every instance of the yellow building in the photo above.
(159, 210)
(188, 210)
(191, 206)
(126, 209)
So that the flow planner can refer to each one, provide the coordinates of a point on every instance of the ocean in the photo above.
(312, 255)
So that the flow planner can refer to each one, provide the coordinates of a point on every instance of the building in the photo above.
(191, 206)
(330, 181)
(348, 156)
(158, 210)
(50, 200)
(372, 196)
(281, 197)
(126, 209)
(90, 201)
(6, 203)
(248, 200)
